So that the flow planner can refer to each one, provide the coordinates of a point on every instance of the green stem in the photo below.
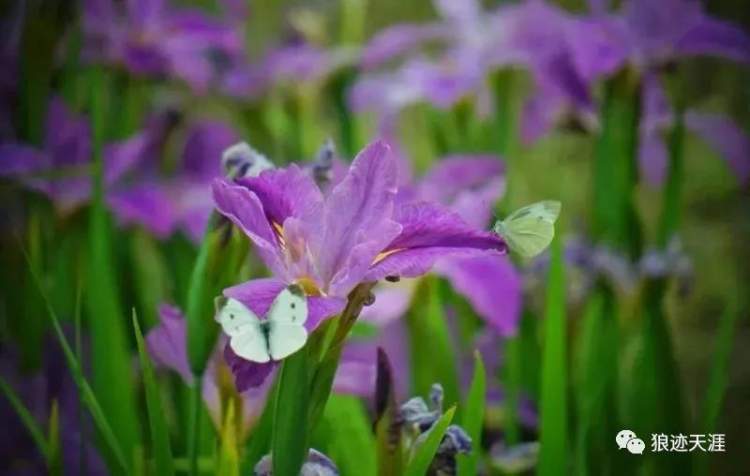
(195, 426)
(322, 381)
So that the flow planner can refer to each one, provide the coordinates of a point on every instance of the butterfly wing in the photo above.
(246, 337)
(290, 306)
(284, 339)
(286, 319)
(530, 229)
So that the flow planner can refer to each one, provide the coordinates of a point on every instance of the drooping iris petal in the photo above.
(247, 374)
(429, 232)
(17, 160)
(716, 38)
(724, 136)
(491, 284)
(396, 40)
(146, 203)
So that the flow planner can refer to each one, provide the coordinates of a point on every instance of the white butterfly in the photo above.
(280, 335)
(529, 230)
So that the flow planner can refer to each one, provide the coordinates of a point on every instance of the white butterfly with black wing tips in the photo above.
(279, 335)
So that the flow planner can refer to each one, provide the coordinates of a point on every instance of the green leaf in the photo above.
(425, 452)
(27, 419)
(595, 379)
(160, 446)
(427, 323)
(554, 403)
(54, 459)
(615, 166)
(289, 445)
(350, 441)
(111, 363)
(718, 380)
(473, 417)
(84, 389)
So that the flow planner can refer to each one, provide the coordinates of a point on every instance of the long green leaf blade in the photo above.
(290, 438)
(554, 405)
(160, 446)
(424, 454)
(27, 419)
(473, 417)
(350, 442)
(717, 384)
(84, 389)
(112, 375)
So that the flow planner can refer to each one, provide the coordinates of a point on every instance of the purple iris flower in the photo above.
(355, 231)
(648, 35)
(149, 37)
(60, 167)
(180, 200)
(472, 44)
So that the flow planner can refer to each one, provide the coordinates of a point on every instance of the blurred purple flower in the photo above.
(531, 34)
(650, 34)
(720, 132)
(180, 200)
(150, 37)
(357, 231)
(59, 169)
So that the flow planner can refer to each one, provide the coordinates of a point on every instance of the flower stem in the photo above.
(195, 425)
(322, 381)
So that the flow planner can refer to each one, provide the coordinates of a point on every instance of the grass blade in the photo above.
(289, 439)
(27, 419)
(111, 364)
(350, 441)
(473, 417)
(160, 446)
(424, 454)
(554, 404)
(717, 384)
(84, 389)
